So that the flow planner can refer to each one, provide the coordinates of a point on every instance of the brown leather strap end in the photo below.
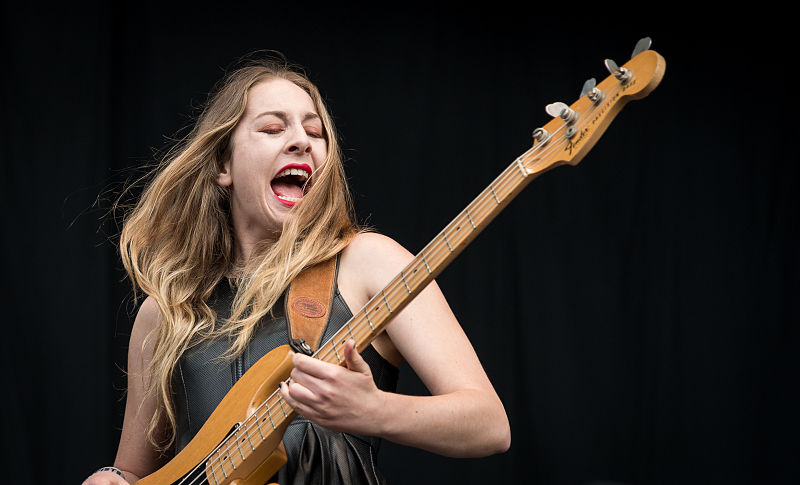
(308, 302)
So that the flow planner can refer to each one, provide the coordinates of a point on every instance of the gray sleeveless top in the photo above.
(315, 454)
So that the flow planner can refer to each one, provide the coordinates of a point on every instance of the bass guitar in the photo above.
(241, 444)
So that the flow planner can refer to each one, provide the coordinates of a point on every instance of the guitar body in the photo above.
(264, 457)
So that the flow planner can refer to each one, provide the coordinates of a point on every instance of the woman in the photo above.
(255, 194)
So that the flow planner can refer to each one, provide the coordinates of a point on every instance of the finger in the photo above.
(313, 367)
(309, 381)
(288, 399)
(298, 394)
(353, 359)
(285, 395)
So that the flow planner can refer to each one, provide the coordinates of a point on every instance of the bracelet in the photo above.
(111, 469)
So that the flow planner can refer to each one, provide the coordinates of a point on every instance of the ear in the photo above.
(224, 176)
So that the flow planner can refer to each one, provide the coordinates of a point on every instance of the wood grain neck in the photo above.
(372, 319)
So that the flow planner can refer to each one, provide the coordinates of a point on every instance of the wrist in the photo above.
(110, 469)
(387, 412)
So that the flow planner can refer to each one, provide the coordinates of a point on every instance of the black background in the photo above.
(636, 313)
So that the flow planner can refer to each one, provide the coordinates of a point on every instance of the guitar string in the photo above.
(481, 199)
(479, 202)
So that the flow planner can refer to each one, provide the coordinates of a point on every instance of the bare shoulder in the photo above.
(148, 313)
(374, 254)
(146, 321)
(368, 263)
(375, 243)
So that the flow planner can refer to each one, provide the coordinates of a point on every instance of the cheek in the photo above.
(244, 163)
(320, 153)
(246, 150)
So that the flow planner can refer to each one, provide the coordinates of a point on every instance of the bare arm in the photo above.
(462, 417)
(136, 457)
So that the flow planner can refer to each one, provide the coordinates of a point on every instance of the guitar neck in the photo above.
(373, 318)
(569, 136)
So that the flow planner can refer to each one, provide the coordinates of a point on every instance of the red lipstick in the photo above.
(287, 188)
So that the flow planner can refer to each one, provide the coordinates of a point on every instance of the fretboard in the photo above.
(372, 319)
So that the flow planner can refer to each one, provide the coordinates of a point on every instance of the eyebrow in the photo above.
(283, 115)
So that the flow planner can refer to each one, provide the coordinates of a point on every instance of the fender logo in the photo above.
(571, 144)
(309, 307)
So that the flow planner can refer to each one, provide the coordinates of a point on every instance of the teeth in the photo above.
(288, 199)
(293, 171)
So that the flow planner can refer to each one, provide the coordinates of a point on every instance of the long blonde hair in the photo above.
(177, 242)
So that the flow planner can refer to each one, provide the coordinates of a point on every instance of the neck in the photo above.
(247, 244)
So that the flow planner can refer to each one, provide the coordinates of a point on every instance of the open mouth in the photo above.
(291, 183)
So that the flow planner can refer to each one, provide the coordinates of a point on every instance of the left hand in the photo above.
(336, 397)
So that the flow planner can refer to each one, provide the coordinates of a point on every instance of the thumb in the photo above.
(354, 361)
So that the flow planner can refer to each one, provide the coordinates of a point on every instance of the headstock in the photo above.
(574, 129)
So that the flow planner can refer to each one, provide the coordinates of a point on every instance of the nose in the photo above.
(299, 143)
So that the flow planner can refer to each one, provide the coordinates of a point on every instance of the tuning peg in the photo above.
(590, 91)
(561, 110)
(641, 46)
(619, 72)
(588, 86)
(541, 135)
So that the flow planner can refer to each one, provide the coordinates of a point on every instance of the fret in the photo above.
(386, 301)
(350, 330)
(426, 265)
(247, 435)
(366, 313)
(222, 467)
(239, 445)
(447, 242)
(469, 217)
(414, 276)
(269, 415)
(494, 194)
(335, 352)
(230, 459)
(280, 404)
(258, 427)
(213, 473)
(403, 277)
